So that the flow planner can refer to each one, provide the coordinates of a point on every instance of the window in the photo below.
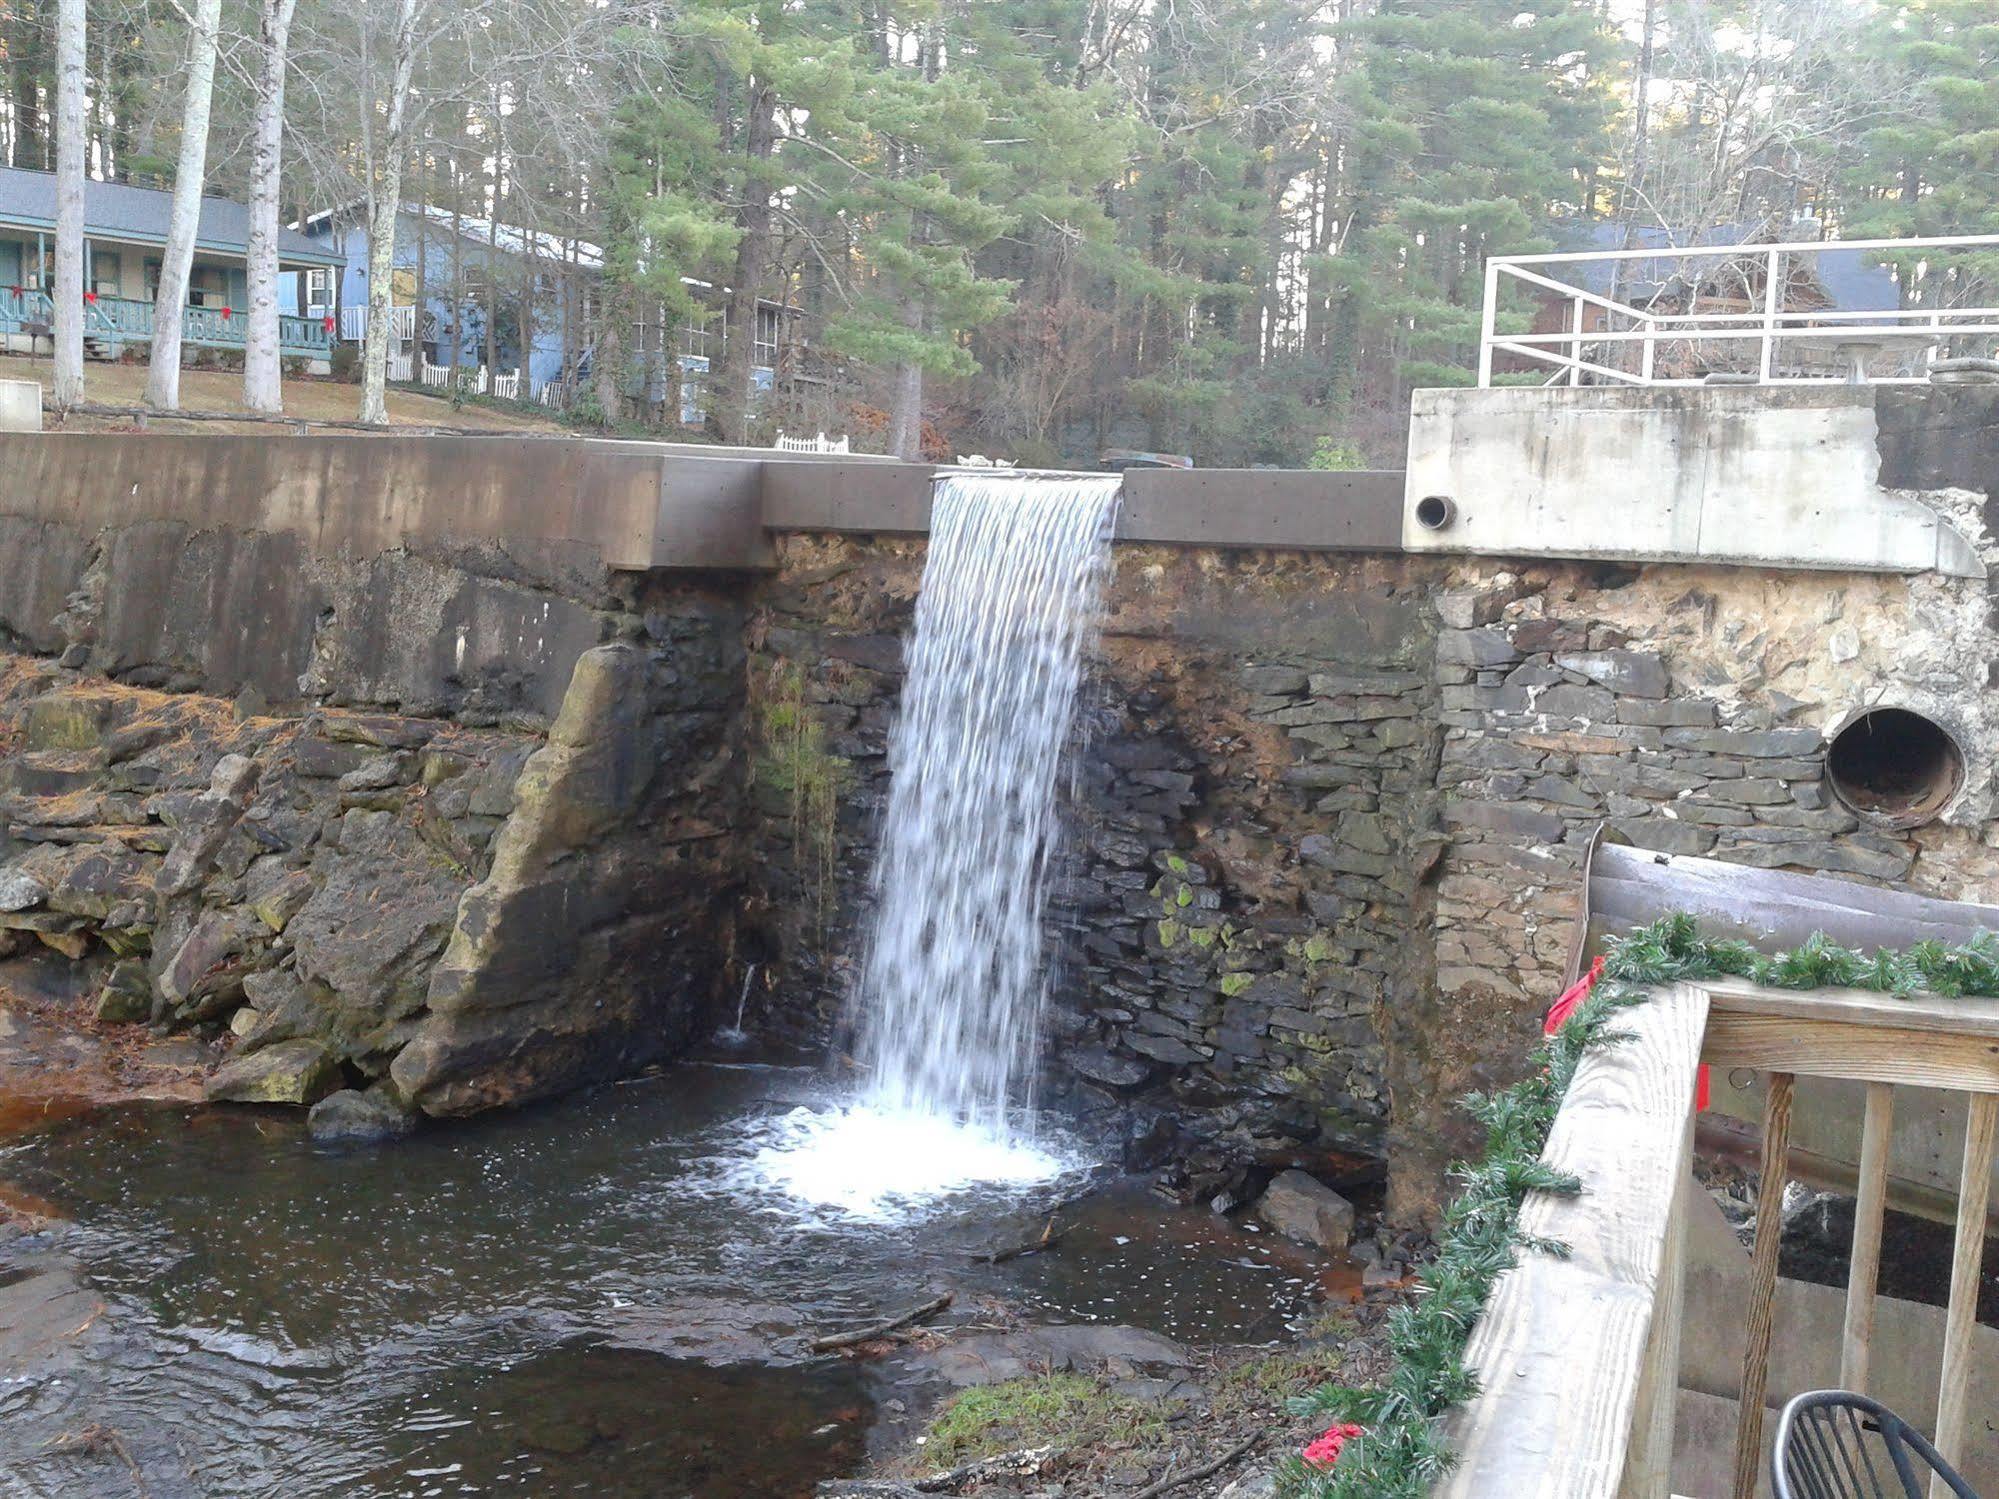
(208, 286)
(768, 322)
(107, 273)
(697, 338)
(318, 292)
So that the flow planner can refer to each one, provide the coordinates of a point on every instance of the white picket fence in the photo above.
(820, 444)
(402, 368)
(507, 387)
(471, 379)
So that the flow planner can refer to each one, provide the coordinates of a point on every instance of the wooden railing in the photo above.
(1578, 1356)
(125, 320)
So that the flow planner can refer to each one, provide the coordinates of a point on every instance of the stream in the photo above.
(598, 1296)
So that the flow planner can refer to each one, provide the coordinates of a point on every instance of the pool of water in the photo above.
(604, 1295)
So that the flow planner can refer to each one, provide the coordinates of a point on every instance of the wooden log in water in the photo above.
(832, 1342)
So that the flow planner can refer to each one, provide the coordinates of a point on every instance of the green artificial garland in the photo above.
(1402, 1452)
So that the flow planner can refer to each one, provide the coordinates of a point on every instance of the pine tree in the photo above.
(1934, 168)
(1478, 122)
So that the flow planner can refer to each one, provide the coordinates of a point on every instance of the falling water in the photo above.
(735, 1035)
(951, 989)
(951, 992)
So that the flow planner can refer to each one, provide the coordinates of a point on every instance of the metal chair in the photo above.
(1833, 1444)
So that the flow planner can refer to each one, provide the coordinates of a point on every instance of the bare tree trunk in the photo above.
(458, 261)
(493, 270)
(69, 308)
(177, 260)
(263, 378)
(529, 244)
(422, 310)
(735, 381)
(905, 419)
(608, 362)
(385, 191)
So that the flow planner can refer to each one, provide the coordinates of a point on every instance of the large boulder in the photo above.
(1304, 1208)
(365, 939)
(576, 959)
(353, 1117)
(297, 1072)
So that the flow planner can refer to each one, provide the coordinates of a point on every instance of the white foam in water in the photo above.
(868, 1163)
(951, 989)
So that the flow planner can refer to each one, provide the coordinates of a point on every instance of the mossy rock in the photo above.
(127, 996)
(299, 1072)
(59, 721)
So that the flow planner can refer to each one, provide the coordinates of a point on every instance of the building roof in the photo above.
(117, 210)
(507, 238)
(1852, 280)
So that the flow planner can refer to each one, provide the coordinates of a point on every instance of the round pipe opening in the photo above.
(1435, 511)
(1894, 767)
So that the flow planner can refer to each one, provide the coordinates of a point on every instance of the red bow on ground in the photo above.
(1571, 1001)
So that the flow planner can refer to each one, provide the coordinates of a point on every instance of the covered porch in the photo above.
(120, 281)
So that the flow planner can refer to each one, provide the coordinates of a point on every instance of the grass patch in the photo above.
(1050, 1410)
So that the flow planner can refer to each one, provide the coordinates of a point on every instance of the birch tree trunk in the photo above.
(385, 190)
(69, 308)
(177, 261)
(263, 380)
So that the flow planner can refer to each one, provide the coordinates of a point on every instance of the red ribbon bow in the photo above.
(227, 313)
(1572, 1000)
(90, 296)
(326, 323)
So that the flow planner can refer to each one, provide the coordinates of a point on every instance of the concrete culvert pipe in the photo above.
(1894, 767)
(1434, 512)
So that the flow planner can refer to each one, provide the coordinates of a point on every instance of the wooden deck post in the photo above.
(1961, 1320)
(1870, 1206)
(1762, 1284)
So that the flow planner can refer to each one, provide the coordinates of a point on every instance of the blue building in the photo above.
(452, 272)
(125, 236)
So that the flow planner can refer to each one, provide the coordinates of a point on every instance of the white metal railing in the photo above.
(1753, 333)
(354, 323)
(820, 444)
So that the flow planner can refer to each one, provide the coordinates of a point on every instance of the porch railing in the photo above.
(1578, 1357)
(118, 321)
(354, 323)
(1754, 327)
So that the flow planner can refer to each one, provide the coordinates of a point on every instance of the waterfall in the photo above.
(951, 985)
(951, 988)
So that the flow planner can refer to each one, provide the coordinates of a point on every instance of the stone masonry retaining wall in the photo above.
(479, 824)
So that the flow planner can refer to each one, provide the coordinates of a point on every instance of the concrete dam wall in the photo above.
(465, 771)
